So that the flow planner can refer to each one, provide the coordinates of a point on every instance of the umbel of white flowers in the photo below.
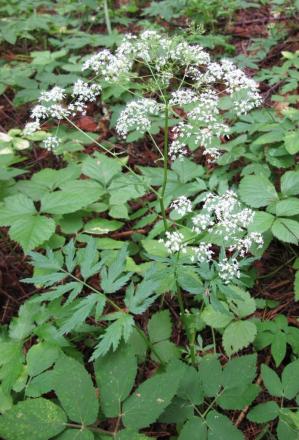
(221, 215)
(204, 90)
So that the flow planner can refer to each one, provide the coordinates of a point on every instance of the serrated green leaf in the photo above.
(211, 375)
(263, 412)
(289, 183)
(262, 221)
(279, 347)
(238, 335)
(216, 319)
(15, 208)
(239, 397)
(221, 428)
(239, 371)
(257, 191)
(159, 326)
(286, 229)
(194, 428)
(39, 418)
(291, 142)
(151, 398)
(288, 207)
(271, 381)
(75, 391)
(290, 380)
(115, 375)
(40, 357)
(75, 195)
(32, 231)
(122, 327)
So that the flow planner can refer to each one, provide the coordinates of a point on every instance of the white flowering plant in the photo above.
(143, 210)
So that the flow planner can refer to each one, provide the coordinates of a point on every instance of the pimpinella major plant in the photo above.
(96, 293)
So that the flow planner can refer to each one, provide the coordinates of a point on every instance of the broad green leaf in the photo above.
(238, 335)
(289, 183)
(243, 305)
(190, 388)
(271, 381)
(154, 247)
(40, 357)
(16, 208)
(75, 391)
(239, 371)
(193, 429)
(75, 196)
(257, 191)
(291, 142)
(221, 428)
(177, 412)
(211, 375)
(101, 226)
(115, 375)
(279, 347)
(101, 168)
(32, 231)
(288, 207)
(187, 170)
(262, 221)
(263, 412)
(37, 419)
(290, 380)
(216, 319)
(286, 229)
(151, 398)
(165, 351)
(239, 397)
(76, 434)
(159, 326)
(285, 431)
(41, 384)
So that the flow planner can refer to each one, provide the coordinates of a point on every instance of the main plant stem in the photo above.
(165, 166)
(107, 17)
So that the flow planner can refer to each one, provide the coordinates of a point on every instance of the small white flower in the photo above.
(174, 242)
(182, 205)
(31, 127)
(183, 96)
(228, 269)
(54, 95)
(243, 245)
(136, 116)
(201, 222)
(203, 253)
(51, 143)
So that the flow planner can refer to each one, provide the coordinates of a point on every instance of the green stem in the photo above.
(90, 428)
(107, 17)
(165, 166)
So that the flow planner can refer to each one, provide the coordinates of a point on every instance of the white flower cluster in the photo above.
(51, 143)
(203, 253)
(174, 242)
(31, 127)
(83, 93)
(136, 116)
(110, 67)
(183, 97)
(52, 104)
(229, 269)
(182, 205)
(224, 216)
